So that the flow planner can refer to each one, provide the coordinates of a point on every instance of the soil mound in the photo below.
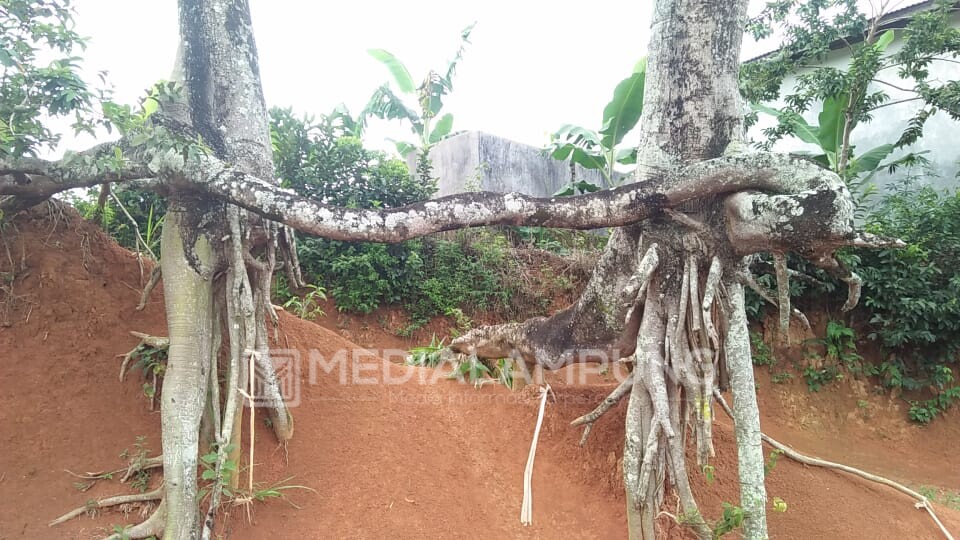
(388, 450)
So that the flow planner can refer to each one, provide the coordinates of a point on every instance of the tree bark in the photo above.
(188, 294)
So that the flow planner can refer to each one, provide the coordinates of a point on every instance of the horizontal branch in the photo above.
(775, 190)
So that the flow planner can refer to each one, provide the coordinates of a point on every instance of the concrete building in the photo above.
(477, 161)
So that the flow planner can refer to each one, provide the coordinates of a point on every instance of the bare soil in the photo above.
(391, 450)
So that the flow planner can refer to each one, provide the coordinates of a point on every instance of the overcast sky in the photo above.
(532, 66)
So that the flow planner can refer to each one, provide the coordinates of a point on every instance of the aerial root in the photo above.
(106, 502)
(747, 279)
(922, 502)
(783, 296)
(151, 284)
(588, 419)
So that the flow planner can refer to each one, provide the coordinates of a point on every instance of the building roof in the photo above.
(898, 18)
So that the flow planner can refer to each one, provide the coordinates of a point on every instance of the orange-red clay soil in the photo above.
(408, 459)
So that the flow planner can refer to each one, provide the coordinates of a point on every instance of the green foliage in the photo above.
(762, 353)
(848, 96)
(429, 277)
(818, 377)
(601, 150)
(145, 207)
(471, 370)
(208, 465)
(137, 457)
(771, 462)
(428, 355)
(730, 520)
(709, 473)
(913, 294)
(153, 364)
(308, 306)
(424, 117)
(324, 159)
(39, 75)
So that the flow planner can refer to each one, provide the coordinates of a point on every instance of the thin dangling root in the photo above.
(783, 296)
(923, 502)
(605, 405)
(747, 279)
(107, 502)
(838, 270)
(151, 284)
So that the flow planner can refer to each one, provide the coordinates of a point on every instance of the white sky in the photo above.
(532, 66)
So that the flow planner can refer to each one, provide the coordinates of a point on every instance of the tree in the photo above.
(852, 96)
(666, 293)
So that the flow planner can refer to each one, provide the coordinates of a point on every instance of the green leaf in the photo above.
(870, 160)
(884, 41)
(626, 156)
(587, 160)
(623, 112)
(804, 131)
(397, 69)
(403, 147)
(831, 123)
(442, 128)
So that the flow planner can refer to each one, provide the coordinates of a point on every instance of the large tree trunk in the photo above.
(189, 303)
(652, 293)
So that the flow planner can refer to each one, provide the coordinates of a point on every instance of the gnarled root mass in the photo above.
(671, 299)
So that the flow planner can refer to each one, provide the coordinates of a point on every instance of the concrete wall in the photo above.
(941, 133)
(475, 161)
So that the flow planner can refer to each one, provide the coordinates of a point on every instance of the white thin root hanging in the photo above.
(783, 296)
(922, 502)
(746, 278)
(526, 506)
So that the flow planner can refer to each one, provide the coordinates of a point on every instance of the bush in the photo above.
(325, 161)
(913, 294)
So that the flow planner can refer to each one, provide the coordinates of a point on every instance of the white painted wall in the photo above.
(941, 134)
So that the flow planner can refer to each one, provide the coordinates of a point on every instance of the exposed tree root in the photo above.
(816, 462)
(152, 527)
(155, 342)
(116, 500)
(747, 279)
(138, 465)
(588, 419)
(151, 284)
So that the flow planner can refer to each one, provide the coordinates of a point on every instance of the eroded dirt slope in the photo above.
(390, 450)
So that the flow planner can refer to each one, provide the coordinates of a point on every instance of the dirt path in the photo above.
(387, 454)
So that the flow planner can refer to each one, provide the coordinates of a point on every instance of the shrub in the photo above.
(912, 295)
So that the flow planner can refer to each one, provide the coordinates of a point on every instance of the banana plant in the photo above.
(601, 150)
(424, 117)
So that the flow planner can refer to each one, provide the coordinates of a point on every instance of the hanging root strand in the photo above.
(151, 284)
(783, 296)
(747, 279)
(588, 419)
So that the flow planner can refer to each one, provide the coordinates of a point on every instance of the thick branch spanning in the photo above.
(800, 202)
